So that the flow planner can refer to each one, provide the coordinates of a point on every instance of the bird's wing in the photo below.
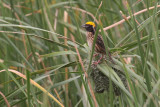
(100, 45)
(100, 48)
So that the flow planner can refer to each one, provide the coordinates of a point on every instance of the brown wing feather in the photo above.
(100, 48)
(99, 45)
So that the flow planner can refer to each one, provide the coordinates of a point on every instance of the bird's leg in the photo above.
(99, 61)
(95, 62)
(95, 55)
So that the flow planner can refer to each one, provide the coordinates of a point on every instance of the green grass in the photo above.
(33, 43)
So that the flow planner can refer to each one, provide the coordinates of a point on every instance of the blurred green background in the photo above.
(36, 39)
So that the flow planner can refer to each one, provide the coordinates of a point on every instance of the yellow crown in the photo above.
(91, 23)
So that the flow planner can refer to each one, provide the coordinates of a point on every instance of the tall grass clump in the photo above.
(45, 60)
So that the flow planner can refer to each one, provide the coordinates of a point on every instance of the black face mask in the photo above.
(89, 28)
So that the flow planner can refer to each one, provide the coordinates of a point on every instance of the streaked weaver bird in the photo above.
(99, 45)
(101, 81)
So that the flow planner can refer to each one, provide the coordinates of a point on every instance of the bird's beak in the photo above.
(83, 26)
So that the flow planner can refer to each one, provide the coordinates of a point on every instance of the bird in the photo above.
(101, 81)
(90, 27)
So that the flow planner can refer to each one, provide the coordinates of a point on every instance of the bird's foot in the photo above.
(95, 55)
(97, 62)
(100, 59)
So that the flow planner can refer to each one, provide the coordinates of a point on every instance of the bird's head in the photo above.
(89, 26)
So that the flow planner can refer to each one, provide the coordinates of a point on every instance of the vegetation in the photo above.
(45, 60)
